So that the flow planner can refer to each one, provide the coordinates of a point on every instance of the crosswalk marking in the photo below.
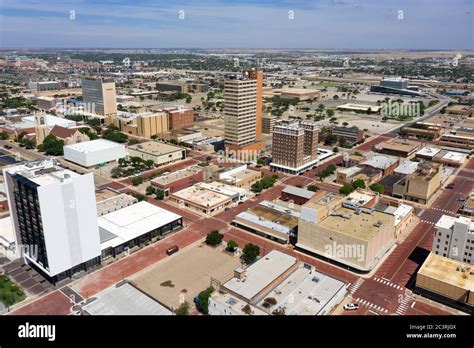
(404, 304)
(356, 285)
(388, 283)
(371, 305)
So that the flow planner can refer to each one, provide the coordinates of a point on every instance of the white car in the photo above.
(351, 307)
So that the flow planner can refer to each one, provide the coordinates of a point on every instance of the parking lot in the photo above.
(187, 272)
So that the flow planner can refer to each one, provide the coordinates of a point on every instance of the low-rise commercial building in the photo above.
(467, 208)
(448, 278)
(301, 94)
(346, 231)
(277, 284)
(144, 124)
(158, 152)
(180, 117)
(386, 164)
(297, 195)
(351, 135)
(458, 139)
(399, 148)
(465, 110)
(45, 103)
(175, 181)
(124, 299)
(94, 152)
(133, 226)
(208, 198)
(271, 220)
(238, 176)
(359, 107)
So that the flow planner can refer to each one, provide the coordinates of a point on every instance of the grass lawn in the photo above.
(9, 293)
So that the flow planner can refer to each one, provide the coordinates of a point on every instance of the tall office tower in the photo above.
(54, 217)
(295, 146)
(100, 96)
(258, 76)
(454, 238)
(240, 95)
(288, 145)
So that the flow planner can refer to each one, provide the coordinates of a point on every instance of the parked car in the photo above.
(172, 250)
(461, 199)
(450, 186)
(351, 307)
(7, 146)
(226, 209)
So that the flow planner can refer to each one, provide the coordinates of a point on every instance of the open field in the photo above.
(188, 272)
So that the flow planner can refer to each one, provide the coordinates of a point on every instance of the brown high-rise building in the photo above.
(295, 146)
(180, 118)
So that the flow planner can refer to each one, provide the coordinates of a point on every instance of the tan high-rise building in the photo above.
(295, 146)
(243, 111)
(258, 76)
(100, 96)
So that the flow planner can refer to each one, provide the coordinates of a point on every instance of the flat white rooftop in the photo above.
(402, 211)
(428, 151)
(124, 299)
(133, 221)
(380, 162)
(447, 221)
(455, 157)
(42, 172)
(406, 167)
(260, 274)
(94, 145)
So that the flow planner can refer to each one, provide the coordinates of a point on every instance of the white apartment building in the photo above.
(54, 217)
(454, 238)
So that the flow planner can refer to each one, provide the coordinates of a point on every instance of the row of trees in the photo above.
(263, 184)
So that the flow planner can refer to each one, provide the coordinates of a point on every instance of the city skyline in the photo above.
(405, 24)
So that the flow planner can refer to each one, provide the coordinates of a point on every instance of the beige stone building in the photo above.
(355, 237)
(421, 185)
(448, 278)
(144, 124)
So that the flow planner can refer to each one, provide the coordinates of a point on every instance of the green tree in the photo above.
(313, 188)
(4, 136)
(231, 245)
(52, 146)
(377, 188)
(359, 183)
(189, 99)
(183, 309)
(346, 189)
(116, 172)
(335, 149)
(150, 190)
(160, 195)
(250, 253)
(137, 181)
(214, 238)
(149, 164)
(203, 300)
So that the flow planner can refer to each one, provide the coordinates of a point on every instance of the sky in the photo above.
(317, 24)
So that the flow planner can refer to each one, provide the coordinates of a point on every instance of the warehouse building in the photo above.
(131, 227)
(94, 152)
(159, 153)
